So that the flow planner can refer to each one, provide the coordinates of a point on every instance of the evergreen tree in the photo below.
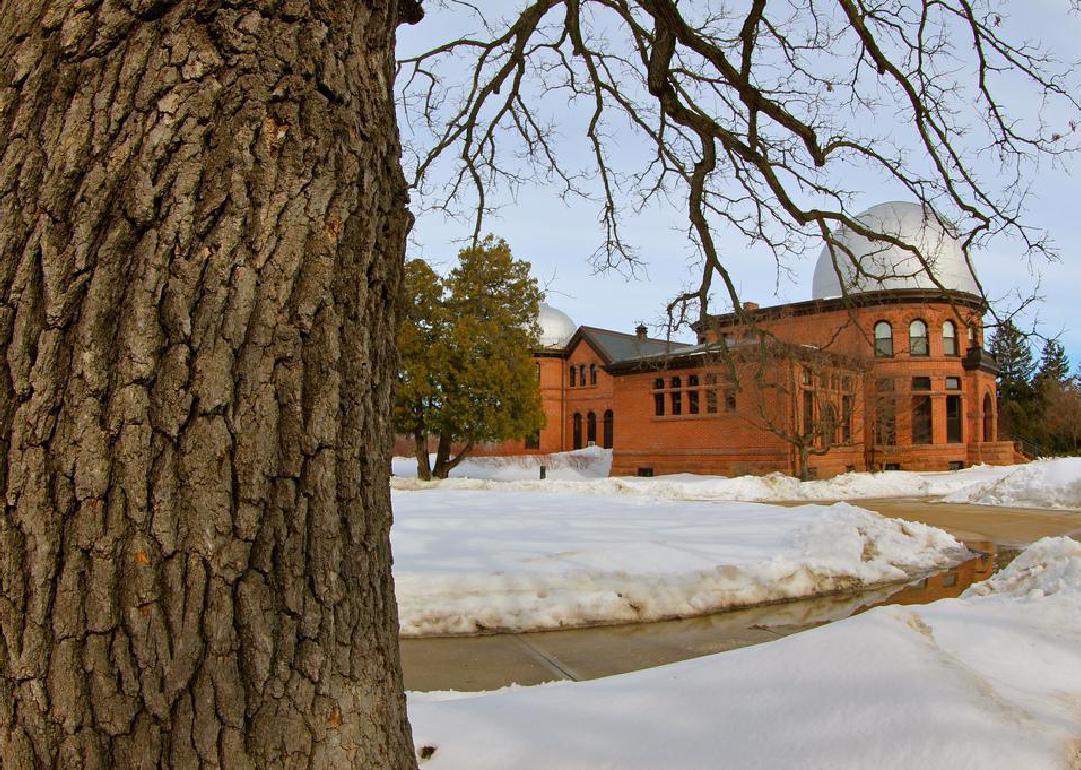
(1054, 365)
(467, 372)
(1015, 365)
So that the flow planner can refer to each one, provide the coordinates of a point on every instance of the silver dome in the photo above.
(891, 267)
(557, 328)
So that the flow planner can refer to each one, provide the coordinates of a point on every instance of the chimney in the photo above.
(750, 307)
(641, 330)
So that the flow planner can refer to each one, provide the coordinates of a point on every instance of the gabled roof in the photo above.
(617, 347)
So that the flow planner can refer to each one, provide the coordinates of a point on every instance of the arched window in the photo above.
(949, 338)
(609, 428)
(987, 419)
(591, 428)
(592, 374)
(576, 430)
(572, 373)
(883, 339)
(917, 338)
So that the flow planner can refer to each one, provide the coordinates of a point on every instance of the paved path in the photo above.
(490, 662)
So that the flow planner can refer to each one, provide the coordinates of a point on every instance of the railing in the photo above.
(1026, 446)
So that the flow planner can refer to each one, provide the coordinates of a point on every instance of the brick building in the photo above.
(883, 368)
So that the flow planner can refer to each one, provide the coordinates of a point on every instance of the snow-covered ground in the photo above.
(1054, 483)
(991, 680)
(507, 559)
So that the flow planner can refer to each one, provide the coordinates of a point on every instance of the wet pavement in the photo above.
(490, 662)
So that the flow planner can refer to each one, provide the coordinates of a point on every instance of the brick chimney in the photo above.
(750, 307)
(641, 331)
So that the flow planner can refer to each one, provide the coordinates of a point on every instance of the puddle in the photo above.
(490, 662)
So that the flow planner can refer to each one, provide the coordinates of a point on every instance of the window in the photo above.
(592, 374)
(892, 467)
(677, 396)
(988, 420)
(917, 338)
(572, 373)
(973, 336)
(609, 428)
(808, 412)
(883, 339)
(846, 419)
(692, 395)
(829, 425)
(730, 401)
(645, 472)
(808, 378)
(591, 428)
(922, 428)
(711, 394)
(582, 375)
(658, 397)
(953, 419)
(532, 441)
(949, 338)
(576, 430)
(953, 383)
(921, 383)
(955, 465)
(885, 414)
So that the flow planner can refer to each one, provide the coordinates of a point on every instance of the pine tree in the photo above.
(1054, 365)
(467, 372)
(1015, 365)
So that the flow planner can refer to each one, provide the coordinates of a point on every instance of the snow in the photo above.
(990, 680)
(590, 463)
(1052, 483)
(1040, 484)
(506, 559)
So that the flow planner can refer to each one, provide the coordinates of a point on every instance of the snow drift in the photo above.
(502, 559)
(991, 680)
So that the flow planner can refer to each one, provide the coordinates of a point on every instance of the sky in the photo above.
(558, 237)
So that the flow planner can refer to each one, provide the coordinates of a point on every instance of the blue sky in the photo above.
(559, 238)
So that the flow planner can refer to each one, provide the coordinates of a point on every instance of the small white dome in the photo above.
(557, 328)
(891, 267)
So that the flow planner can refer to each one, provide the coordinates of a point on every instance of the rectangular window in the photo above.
(592, 374)
(730, 401)
(572, 373)
(922, 429)
(692, 402)
(954, 433)
(808, 412)
(677, 402)
(921, 383)
(955, 465)
(846, 419)
(645, 472)
(582, 375)
(711, 394)
(953, 383)
(658, 404)
(886, 421)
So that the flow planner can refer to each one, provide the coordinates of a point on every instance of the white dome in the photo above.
(557, 328)
(891, 267)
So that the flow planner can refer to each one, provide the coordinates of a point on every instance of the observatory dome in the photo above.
(890, 267)
(557, 328)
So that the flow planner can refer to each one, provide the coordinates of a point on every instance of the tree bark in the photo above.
(202, 223)
(444, 463)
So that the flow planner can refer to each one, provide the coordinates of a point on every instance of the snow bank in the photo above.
(991, 680)
(590, 463)
(1043, 484)
(468, 561)
(1054, 483)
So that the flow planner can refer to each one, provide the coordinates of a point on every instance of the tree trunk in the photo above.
(202, 221)
(424, 458)
(444, 463)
